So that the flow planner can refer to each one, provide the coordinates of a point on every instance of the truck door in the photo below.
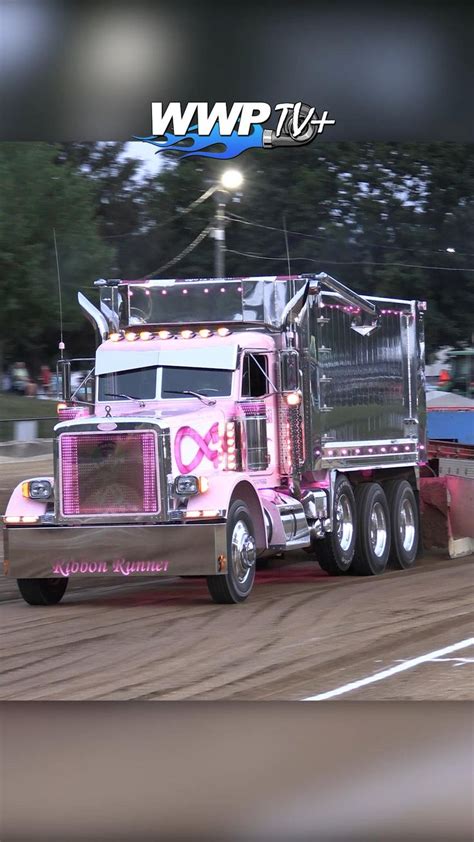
(257, 406)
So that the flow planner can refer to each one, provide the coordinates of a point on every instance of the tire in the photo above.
(235, 585)
(42, 591)
(405, 523)
(335, 552)
(373, 530)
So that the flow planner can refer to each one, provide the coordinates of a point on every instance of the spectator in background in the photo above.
(45, 379)
(31, 388)
(6, 382)
(20, 378)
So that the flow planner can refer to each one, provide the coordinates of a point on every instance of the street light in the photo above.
(230, 180)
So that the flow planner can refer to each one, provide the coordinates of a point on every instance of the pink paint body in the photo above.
(197, 438)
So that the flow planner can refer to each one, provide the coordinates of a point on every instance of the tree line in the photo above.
(388, 219)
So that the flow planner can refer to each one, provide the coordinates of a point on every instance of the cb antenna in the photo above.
(286, 244)
(287, 251)
(61, 343)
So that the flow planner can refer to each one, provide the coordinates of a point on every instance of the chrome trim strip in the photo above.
(35, 552)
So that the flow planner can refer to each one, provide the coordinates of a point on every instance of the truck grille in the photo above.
(113, 473)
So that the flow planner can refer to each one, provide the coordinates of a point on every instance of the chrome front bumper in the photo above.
(38, 552)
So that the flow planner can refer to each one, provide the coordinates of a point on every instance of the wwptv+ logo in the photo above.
(223, 131)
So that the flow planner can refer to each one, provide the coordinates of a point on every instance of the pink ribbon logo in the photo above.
(212, 436)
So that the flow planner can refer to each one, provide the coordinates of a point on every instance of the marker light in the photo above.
(14, 519)
(187, 334)
(197, 513)
(204, 333)
(293, 399)
(223, 331)
(146, 335)
(131, 336)
(164, 334)
(203, 484)
(230, 446)
(115, 337)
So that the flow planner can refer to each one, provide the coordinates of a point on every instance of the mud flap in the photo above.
(447, 503)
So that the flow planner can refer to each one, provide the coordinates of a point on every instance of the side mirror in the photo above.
(64, 370)
(290, 370)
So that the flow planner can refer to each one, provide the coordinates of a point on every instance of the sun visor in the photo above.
(224, 357)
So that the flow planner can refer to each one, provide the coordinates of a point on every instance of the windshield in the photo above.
(169, 382)
(136, 383)
(205, 381)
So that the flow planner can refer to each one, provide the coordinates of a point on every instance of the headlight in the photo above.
(185, 485)
(37, 489)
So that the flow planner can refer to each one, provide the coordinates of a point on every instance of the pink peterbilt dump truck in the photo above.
(229, 420)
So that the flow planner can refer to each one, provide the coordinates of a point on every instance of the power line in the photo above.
(206, 195)
(189, 248)
(240, 220)
(322, 261)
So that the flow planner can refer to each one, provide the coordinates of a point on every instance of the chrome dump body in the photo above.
(364, 395)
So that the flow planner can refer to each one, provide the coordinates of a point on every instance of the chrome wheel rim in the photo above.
(244, 552)
(344, 522)
(407, 525)
(378, 530)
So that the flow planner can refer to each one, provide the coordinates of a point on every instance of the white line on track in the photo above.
(380, 676)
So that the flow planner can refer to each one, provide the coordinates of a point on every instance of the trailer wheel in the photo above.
(405, 523)
(335, 552)
(373, 532)
(235, 585)
(42, 591)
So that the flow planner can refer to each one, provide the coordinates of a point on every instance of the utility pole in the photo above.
(229, 182)
(219, 234)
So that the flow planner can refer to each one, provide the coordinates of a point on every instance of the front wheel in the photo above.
(42, 591)
(235, 585)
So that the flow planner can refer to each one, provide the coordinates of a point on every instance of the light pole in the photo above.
(230, 181)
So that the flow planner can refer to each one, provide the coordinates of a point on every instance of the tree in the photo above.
(37, 196)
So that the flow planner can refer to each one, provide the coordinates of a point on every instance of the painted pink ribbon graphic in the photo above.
(212, 436)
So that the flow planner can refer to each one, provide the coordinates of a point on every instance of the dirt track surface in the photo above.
(301, 633)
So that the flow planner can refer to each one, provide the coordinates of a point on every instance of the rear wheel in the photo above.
(405, 523)
(335, 552)
(373, 530)
(42, 591)
(235, 585)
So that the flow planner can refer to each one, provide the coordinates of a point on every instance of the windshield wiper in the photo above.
(118, 395)
(207, 401)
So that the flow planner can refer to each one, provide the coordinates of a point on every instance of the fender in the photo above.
(19, 505)
(228, 486)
